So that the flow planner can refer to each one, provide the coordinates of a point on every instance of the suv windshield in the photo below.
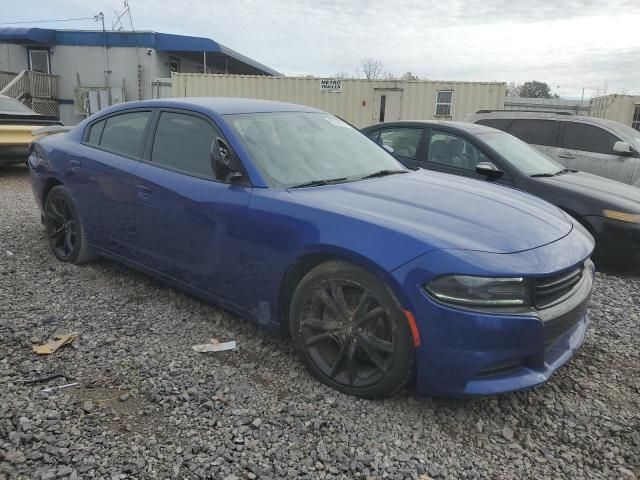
(11, 105)
(299, 148)
(526, 159)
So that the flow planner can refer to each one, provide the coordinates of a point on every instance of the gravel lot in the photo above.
(149, 407)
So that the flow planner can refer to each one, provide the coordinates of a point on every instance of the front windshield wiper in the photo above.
(559, 172)
(319, 183)
(383, 173)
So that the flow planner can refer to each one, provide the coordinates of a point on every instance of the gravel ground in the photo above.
(149, 407)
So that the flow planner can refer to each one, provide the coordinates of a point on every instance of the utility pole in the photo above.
(100, 18)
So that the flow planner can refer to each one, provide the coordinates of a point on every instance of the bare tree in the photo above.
(601, 91)
(372, 69)
(409, 76)
(514, 89)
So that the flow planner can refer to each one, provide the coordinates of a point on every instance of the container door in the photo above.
(387, 105)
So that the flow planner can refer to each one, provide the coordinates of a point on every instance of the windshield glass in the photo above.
(293, 148)
(526, 159)
(11, 105)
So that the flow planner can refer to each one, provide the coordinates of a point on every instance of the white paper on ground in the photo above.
(215, 347)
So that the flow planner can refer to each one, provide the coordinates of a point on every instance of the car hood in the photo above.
(608, 193)
(449, 211)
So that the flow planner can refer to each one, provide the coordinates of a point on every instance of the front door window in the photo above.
(452, 151)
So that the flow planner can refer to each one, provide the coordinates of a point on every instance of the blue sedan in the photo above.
(290, 217)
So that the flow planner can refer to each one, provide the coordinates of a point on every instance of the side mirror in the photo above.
(224, 162)
(622, 148)
(388, 148)
(489, 169)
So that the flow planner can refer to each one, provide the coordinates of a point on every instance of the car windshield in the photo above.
(295, 148)
(523, 157)
(11, 105)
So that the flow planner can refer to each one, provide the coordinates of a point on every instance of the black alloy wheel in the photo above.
(61, 228)
(65, 232)
(350, 331)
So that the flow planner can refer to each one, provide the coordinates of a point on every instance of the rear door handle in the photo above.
(566, 155)
(144, 192)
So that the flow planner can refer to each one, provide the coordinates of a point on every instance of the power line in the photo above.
(48, 21)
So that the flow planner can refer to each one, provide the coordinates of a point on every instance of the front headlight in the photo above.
(622, 216)
(479, 291)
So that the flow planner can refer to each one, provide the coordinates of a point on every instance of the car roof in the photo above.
(514, 114)
(618, 128)
(222, 105)
(450, 125)
(28, 111)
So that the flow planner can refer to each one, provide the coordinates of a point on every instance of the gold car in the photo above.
(16, 124)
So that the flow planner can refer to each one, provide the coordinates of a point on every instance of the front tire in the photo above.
(65, 231)
(350, 332)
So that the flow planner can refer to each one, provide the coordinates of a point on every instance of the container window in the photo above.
(444, 101)
(39, 60)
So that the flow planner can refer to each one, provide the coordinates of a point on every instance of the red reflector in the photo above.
(413, 327)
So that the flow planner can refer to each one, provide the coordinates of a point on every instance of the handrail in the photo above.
(6, 77)
(15, 87)
(34, 84)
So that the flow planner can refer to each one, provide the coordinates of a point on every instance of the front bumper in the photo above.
(12, 154)
(616, 240)
(467, 352)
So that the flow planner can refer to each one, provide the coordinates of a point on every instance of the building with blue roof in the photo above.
(95, 69)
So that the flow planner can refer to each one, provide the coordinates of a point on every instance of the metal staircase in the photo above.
(37, 90)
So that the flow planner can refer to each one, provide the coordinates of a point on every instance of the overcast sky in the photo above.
(569, 44)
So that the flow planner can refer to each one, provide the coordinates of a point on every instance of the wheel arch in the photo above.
(582, 220)
(307, 261)
(49, 185)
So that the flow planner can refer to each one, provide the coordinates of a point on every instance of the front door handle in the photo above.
(74, 165)
(566, 155)
(144, 192)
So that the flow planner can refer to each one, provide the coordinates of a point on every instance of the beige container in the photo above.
(358, 101)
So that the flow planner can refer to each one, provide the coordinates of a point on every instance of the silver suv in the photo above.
(602, 147)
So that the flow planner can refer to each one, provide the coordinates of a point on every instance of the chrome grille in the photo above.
(548, 290)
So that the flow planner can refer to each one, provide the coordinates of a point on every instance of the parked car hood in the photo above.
(607, 192)
(449, 211)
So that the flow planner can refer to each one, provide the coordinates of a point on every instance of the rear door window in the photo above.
(535, 132)
(588, 138)
(95, 132)
(499, 123)
(124, 133)
(183, 142)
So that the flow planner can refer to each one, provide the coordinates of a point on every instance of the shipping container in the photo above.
(620, 108)
(359, 101)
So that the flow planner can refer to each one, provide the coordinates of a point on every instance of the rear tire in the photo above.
(350, 332)
(65, 232)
